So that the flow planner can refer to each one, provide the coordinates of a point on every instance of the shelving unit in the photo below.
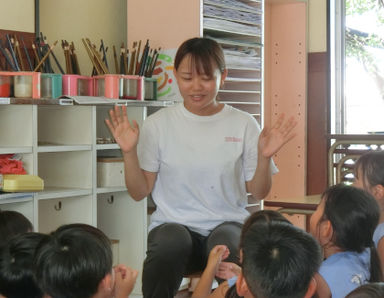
(59, 144)
(238, 26)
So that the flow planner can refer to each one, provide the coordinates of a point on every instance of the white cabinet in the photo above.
(60, 144)
(238, 26)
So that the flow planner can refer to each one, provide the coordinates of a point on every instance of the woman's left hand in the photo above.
(272, 139)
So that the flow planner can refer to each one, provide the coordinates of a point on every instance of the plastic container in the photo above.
(77, 85)
(150, 89)
(5, 86)
(131, 87)
(110, 172)
(51, 85)
(107, 85)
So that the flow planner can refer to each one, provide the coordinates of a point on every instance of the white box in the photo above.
(110, 172)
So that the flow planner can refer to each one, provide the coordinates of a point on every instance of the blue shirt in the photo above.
(378, 234)
(345, 271)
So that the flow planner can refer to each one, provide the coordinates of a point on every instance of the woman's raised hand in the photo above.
(125, 134)
(272, 139)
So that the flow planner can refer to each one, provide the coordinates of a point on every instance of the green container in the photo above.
(150, 89)
(51, 85)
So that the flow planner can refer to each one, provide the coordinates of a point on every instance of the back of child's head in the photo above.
(12, 223)
(279, 260)
(73, 261)
(370, 169)
(17, 278)
(370, 290)
(354, 215)
(205, 54)
(261, 216)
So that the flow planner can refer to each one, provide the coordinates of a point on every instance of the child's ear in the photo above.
(326, 231)
(106, 284)
(378, 191)
(241, 285)
(311, 288)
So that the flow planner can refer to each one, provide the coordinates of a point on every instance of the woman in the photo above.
(199, 159)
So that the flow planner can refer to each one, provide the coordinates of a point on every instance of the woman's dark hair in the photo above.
(354, 215)
(370, 290)
(17, 272)
(205, 55)
(12, 223)
(371, 167)
(73, 261)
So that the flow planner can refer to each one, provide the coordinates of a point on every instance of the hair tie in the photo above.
(64, 248)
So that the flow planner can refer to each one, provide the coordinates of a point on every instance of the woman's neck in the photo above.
(330, 249)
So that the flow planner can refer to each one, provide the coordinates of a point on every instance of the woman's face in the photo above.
(199, 91)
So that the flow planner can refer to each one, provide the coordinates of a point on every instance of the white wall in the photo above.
(73, 20)
(17, 15)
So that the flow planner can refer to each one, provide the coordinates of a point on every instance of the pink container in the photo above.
(26, 84)
(77, 85)
(107, 85)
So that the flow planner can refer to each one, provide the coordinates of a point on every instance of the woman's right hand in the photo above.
(125, 134)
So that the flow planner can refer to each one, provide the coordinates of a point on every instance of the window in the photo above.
(357, 66)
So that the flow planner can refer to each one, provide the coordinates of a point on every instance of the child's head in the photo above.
(262, 216)
(12, 223)
(370, 290)
(369, 173)
(346, 217)
(74, 261)
(205, 53)
(17, 279)
(279, 260)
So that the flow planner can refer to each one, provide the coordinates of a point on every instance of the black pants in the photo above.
(174, 251)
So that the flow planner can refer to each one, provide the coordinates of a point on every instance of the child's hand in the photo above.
(227, 270)
(217, 254)
(125, 278)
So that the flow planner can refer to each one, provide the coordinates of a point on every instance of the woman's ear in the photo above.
(106, 284)
(241, 285)
(223, 77)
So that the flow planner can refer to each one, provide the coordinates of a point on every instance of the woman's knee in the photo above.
(169, 241)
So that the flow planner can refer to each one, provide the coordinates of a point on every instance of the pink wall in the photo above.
(166, 23)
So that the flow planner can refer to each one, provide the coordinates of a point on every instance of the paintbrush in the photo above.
(46, 55)
(26, 53)
(7, 57)
(12, 53)
(115, 59)
(135, 66)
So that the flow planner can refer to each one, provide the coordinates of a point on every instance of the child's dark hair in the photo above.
(371, 167)
(262, 216)
(73, 261)
(17, 278)
(204, 52)
(279, 260)
(370, 290)
(12, 223)
(354, 215)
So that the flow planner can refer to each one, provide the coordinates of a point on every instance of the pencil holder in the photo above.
(26, 84)
(107, 85)
(51, 85)
(131, 87)
(77, 85)
(150, 89)
(5, 85)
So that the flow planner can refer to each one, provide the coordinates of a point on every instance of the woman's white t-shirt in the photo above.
(202, 163)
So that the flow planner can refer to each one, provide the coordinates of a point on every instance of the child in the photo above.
(344, 223)
(278, 260)
(369, 175)
(228, 270)
(12, 223)
(371, 290)
(76, 261)
(17, 279)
